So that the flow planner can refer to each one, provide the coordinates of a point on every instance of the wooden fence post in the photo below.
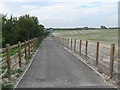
(68, 43)
(97, 53)
(63, 41)
(8, 61)
(80, 47)
(25, 49)
(112, 59)
(74, 45)
(29, 47)
(32, 41)
(19, 53)
(71, 43)
(86, 47)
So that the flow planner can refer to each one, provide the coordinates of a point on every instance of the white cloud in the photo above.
(3, 8)
(82, 1)
(29, 7)
(13, 1)
(68, 13)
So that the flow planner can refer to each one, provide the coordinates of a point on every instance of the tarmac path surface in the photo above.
(53, 66)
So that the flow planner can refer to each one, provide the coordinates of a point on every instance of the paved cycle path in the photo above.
(53, 66)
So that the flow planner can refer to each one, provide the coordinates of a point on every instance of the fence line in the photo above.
(83, 49)
(10, 62)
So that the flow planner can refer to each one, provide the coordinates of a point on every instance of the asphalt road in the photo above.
(53, 66)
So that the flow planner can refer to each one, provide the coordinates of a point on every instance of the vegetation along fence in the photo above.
(16, 57)
(103, 58)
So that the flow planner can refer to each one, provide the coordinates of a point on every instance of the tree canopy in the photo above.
(19, 29)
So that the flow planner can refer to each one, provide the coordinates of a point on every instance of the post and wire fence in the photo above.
(104, 58)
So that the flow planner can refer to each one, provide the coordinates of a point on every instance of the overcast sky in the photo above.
(65, 13)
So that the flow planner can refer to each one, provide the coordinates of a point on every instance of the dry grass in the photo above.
(105, 36)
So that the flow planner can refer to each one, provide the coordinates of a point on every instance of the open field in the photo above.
(104, 36)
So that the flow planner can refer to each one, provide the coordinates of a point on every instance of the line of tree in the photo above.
(19, 29)
(84, 28)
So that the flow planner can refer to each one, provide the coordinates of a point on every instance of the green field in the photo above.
(103, 35)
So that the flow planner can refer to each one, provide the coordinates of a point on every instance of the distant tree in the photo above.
(103, 27)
